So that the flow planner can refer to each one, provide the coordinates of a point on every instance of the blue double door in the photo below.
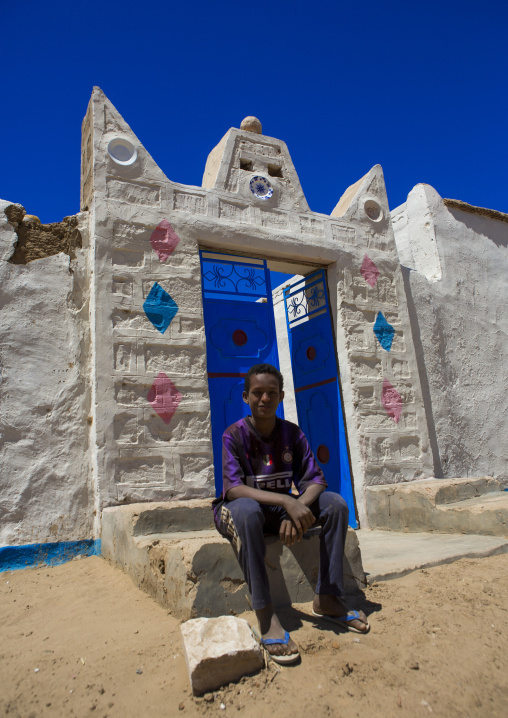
(240, 332)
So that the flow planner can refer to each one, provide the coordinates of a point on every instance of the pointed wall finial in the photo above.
(251, 124)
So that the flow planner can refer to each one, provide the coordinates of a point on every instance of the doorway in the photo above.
(241, 330)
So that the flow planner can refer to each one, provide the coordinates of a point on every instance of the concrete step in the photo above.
(447, 491)
(172, 551)
(470, 506)
(167, 517)
(391, 554)
(486, 515)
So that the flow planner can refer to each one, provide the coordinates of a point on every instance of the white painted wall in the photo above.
(44, 338)
(457, 290)
(138, 455)
(290, 412)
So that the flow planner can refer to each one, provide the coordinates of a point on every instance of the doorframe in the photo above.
(330, 269)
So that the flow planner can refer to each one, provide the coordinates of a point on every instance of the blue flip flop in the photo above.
(291, 658)
(344, 621)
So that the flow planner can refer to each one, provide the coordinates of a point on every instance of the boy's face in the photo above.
(264, 396)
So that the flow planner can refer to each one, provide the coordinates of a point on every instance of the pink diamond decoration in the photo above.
(164, 397)
(369, 271)
(391, 400)
(164, 240)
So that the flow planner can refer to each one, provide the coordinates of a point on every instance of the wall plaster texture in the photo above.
(138, 456)
(456, 279)
(46, 483)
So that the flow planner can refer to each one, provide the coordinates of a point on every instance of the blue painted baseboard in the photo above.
(46, 554)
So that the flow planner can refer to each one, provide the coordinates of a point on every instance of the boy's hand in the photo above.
(287, 533)
(301, 516)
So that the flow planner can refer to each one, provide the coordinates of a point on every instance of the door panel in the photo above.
(243, 335)
(315, 378)
(240, 332)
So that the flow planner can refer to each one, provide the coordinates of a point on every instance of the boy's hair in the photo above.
(263, 369)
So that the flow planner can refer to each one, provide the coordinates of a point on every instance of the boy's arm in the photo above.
(311, 483)
(262, 497)
(309, 478)
(298, 511)
(311, 493)
(288, 533)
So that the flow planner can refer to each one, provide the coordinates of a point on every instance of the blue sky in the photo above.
(420, 88)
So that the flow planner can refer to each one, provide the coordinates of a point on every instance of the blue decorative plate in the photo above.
(260, 187)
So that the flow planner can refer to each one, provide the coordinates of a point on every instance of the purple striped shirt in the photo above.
(270, 464)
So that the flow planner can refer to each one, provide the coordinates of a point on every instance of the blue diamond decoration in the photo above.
(160, 308)
(384, 332)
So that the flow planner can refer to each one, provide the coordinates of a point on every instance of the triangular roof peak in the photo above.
(245, 153)
(365, 198)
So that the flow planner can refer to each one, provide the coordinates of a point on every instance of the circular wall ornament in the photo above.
(122, 151)
(260, 187)
(373, 210)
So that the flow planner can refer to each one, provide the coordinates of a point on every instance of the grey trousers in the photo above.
(249, 521)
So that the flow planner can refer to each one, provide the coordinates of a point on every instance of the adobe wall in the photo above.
(46, 477)
(456, 277)
(150, 395)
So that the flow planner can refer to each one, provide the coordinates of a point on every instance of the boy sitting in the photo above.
(262, 456)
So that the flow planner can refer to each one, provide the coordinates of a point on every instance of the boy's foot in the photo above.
(284, 650)
(333, 609)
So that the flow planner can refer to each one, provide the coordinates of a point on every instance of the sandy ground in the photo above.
(82, 640)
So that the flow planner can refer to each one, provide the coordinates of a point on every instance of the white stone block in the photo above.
(218, 651)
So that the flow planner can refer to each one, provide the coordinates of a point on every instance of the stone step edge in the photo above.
(201, 576)
(439, 492)
(147, 519)
(174, 536)
(199, 535)
(489, 502)
(184, 517)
